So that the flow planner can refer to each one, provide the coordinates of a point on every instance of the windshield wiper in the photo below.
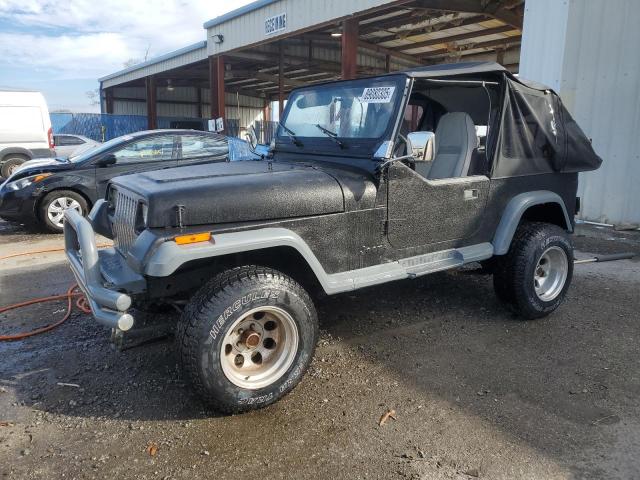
(291, 134)
(332, 135)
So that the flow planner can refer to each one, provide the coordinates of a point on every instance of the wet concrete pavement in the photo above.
(476, 391)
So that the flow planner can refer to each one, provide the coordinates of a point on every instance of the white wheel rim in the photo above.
(550, 274)
(56, 209)
(259, 347)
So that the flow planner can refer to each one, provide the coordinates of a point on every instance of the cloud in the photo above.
(84, 39)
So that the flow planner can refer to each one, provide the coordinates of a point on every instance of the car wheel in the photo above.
(54, 204)
(246, 338)
(10, 165)
(534, 276)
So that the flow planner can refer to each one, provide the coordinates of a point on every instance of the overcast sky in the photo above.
(62, 47)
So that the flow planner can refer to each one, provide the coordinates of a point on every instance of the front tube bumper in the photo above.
(107, 306)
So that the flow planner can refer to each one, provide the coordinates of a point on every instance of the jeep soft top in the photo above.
(368, 181)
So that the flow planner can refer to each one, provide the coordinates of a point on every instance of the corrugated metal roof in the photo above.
(158, 60)
(238, 12)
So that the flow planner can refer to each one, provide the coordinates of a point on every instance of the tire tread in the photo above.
(510, 273)
(225, 286)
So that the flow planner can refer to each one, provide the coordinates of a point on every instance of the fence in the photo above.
(103, 127)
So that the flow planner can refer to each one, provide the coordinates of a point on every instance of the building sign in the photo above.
(275, 24)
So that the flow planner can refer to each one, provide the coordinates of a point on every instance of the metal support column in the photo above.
(216, 82)
(152, 104)
(108, 100)
(349, 48)
(280, 79)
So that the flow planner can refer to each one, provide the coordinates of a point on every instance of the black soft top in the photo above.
(536, 133)
(471, 68)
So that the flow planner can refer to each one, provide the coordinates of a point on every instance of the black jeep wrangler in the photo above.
(367, 181)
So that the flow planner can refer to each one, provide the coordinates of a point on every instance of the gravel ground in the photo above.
(477, 393)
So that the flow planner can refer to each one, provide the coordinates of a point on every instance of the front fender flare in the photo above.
(169, 256)
(514, 211)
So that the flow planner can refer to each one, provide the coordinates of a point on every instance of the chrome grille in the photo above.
(124, 221)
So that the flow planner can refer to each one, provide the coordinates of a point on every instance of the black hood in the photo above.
(41, 165)
(241, 191)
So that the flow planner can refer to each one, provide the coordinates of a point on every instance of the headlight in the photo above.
(112, 197)
(145, 214)
(141, 217)
(25, 182)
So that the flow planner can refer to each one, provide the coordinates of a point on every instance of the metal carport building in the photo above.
(244, 64)
(255, 55)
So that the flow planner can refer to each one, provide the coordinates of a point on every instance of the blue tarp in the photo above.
(97, 126)
(103, 127)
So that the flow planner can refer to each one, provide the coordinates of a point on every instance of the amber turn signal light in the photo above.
(193, 238)
(42, 176)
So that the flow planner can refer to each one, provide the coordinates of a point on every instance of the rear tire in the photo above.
(246, 338)
(534, 276)
(53, 205)
(10, 164)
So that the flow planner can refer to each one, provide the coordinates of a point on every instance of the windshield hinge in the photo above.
(180, 209)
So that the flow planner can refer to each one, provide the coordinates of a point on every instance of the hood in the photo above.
(234, 192)
(40, 165)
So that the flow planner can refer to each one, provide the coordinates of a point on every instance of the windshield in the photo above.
(357, 109)
(85, 154)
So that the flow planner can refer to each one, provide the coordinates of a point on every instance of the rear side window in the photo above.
(66, 140)
(197, 146)
(146, 150)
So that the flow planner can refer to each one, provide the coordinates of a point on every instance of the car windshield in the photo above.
(357, 109)
(86, 154)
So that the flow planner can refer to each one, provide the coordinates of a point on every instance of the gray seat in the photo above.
(455, 142)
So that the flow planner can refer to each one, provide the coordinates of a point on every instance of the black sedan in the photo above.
(40, 191)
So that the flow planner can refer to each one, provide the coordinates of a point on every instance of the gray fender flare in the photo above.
(15, 150)
(168, 256)
(514, 211)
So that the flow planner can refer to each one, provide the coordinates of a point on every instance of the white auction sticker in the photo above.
(377, 94)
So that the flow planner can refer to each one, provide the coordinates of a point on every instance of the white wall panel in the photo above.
(588, 52)
(177, 110)
(129, 108)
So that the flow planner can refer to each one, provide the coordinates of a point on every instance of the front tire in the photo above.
(55, 203)
(534, 276)
(246, 338)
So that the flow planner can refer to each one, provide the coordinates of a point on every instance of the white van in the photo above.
(25, 129)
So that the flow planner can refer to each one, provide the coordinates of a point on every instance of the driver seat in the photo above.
(456, 141)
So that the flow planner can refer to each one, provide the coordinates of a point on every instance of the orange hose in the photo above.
(81, 302)
(49, 250)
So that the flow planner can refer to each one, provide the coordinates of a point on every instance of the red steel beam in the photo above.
(280, 80)
(199, 100)
(349, 48)
(216, 82)
(108, 95)
(152, 112)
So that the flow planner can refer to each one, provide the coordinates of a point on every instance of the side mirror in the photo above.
(108, 159)
(422, 146)
(252, 138)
